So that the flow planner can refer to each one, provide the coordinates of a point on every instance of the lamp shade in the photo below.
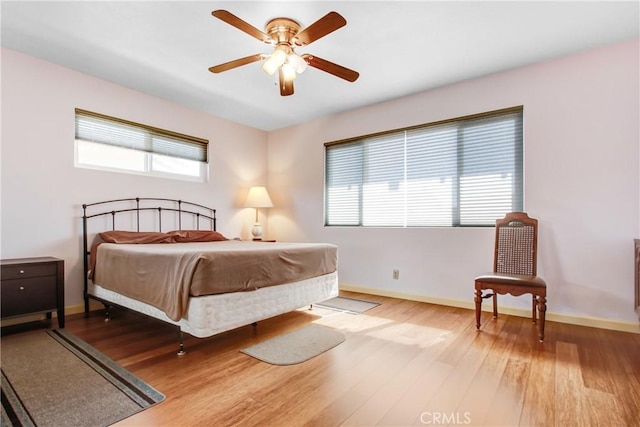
(297, 62)
(288, 72)
(258, 198)
(277, 58)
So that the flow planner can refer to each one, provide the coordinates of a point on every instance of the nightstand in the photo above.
(32, 286)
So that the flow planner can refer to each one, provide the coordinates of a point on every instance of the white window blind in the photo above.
(98, 128)
(460, 172)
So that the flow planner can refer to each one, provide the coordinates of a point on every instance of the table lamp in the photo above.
(257, 198)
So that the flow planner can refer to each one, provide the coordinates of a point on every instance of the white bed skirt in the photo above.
(213, 314)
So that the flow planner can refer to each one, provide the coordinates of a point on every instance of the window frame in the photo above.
(517, 198)
(151, 142)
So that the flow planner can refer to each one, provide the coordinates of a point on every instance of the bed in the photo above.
(165, 259)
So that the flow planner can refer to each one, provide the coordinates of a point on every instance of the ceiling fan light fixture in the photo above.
(277, 58)
(297, 62)
(269, 67)
(288, 72)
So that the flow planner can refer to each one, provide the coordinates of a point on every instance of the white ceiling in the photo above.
(399, 48)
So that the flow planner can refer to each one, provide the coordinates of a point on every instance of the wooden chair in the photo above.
(514, 267)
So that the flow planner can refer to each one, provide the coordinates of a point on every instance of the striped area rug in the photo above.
(52, 378)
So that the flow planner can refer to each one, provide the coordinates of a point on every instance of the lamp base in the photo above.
(256, 231)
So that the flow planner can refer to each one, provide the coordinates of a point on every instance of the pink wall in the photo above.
(582, 180)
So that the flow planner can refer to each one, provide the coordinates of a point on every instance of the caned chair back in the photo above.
(516, 244)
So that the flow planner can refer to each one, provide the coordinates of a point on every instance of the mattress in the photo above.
(213, 314)
(167, 275)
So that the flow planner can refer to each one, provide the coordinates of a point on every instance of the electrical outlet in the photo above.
(396, 274)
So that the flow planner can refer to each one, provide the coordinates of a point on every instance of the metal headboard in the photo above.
(179, 209)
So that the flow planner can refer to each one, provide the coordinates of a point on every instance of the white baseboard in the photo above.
(615, 325)
(79, 308)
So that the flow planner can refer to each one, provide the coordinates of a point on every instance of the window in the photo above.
(459, 172)
(108, 143)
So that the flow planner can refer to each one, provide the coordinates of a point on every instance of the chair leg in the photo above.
(542, 308)
(533, 309)
(478, 300)
(495, 305)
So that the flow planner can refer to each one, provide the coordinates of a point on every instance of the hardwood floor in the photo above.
(404, 363)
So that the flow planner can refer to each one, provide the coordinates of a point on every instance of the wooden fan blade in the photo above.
(286, 86)
(331, 68)
(235, 63)
(323, 26)
(233, 20)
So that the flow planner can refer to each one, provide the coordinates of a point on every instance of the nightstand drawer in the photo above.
(28, 295)
(33, 270)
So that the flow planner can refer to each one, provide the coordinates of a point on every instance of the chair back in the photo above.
(516, 244)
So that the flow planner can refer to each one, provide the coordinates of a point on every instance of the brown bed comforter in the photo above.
(166, 275)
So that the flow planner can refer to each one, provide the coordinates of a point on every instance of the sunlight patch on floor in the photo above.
(410, 334)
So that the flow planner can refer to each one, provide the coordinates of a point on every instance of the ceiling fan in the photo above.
(286, 34)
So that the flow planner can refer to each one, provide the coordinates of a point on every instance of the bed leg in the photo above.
(107, 313)
(181, 351)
